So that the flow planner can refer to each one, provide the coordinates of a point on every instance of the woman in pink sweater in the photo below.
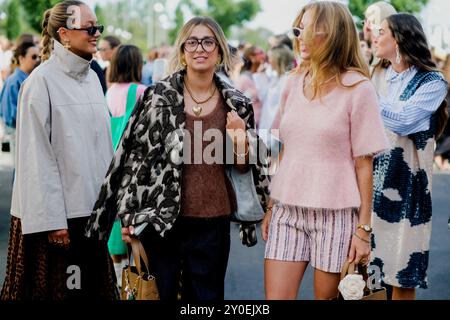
(330, 128)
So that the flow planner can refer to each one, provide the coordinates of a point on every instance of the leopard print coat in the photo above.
(143, 182)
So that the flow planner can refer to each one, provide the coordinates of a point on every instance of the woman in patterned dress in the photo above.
(414, 112)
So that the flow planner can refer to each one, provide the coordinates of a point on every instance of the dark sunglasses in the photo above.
(297, 31)
(91, 30)
(34, 56)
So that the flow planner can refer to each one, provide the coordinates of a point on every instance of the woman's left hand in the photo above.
(235, 126)
(360, 249)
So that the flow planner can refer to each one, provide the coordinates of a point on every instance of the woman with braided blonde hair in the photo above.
(63, 151)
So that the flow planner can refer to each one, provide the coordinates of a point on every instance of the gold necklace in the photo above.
(197, 109)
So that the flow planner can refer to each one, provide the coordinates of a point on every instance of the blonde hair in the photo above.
(54, 19)
(284, 59)
(339, 52)
(177, 60)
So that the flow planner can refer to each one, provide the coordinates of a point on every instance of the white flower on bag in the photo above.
(352, 287)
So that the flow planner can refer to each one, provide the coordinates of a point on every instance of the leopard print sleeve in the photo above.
(117, 178)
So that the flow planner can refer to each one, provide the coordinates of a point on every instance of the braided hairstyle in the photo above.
(54, 19)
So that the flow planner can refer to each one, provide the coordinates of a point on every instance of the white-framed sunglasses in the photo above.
(297, 32)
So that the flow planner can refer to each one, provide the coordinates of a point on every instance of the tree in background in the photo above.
(100, 14)
(358, 7)
(258, 37)
(179, 20)
(230, 13)
(34, 11)
(13, 26)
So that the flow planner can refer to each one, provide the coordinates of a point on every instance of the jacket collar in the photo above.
(72, 64)
(232, 97)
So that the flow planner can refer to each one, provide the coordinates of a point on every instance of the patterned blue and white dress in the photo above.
(403, 177)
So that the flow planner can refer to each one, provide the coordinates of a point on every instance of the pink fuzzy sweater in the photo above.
(321, 140)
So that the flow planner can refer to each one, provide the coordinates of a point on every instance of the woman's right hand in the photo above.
(265, 225)
(59, 238)
(126, 234)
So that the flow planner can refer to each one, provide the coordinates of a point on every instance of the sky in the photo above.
(278, 15)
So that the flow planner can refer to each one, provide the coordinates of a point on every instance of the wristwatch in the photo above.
(365, 227)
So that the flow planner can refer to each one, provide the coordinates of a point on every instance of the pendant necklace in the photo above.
(197, 109)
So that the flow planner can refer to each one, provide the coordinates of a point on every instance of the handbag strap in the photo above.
(348, 268)
(139, 253)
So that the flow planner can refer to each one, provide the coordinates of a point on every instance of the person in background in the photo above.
(330, 128)
(106, 48)
(147, 69)
(25, 59)
(95, 66)
(281, 60)
(253, 59)
(63, 152)
(125, 90)
(5, 58)
(442, 153)
(280, 39)
(373, 16)
(365, 49)
(414, 112)
(28, 37)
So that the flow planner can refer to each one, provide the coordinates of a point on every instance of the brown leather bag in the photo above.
(349, 268)
(136, 284)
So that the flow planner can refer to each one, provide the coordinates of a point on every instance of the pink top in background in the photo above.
(116, 97)
(321, 140)
(246, 85)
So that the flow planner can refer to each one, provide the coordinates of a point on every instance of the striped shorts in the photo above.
(320, 236)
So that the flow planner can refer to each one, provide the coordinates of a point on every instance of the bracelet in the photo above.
(361, 238)
(241, 155)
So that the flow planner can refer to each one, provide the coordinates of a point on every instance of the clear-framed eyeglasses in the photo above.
(208, 44)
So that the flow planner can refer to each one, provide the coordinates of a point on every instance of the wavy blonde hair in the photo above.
(176, 62)
(339, 52)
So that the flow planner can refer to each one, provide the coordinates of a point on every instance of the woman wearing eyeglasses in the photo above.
(330, 128)
(63, 152)
(25, 59)
(168, 181)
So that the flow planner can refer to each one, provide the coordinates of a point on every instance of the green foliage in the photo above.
(230, 13)
(179, 22)
(34, 11)
(13, 26)
(100, 14)
(258, 37)
(358, 7)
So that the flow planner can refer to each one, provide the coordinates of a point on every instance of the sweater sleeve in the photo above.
(367, 133)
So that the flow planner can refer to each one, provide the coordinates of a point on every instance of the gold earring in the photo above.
(67, 45)
(219, 62)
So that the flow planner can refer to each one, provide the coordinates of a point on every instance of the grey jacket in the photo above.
(63, 141)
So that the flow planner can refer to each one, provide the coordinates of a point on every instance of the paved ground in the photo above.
(245, 272)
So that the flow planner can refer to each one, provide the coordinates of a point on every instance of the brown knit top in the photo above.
(206, 191)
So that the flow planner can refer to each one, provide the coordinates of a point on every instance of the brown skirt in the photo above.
(37, 270)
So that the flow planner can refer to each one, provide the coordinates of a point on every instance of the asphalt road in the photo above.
(245, 280)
